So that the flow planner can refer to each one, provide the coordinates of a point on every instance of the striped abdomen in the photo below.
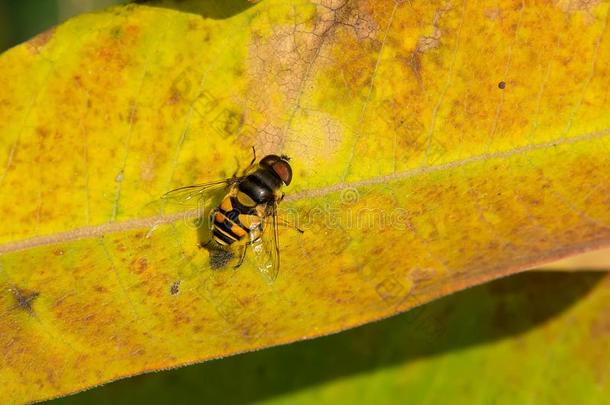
(235, 219)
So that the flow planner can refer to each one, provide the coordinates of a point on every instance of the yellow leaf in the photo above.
(527, 330)
(435, 146)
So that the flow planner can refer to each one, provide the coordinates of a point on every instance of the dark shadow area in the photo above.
(20, 21)
(480, 315)
(214, 9)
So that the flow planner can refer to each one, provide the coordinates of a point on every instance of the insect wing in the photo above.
(190, 195)
(195, 197)
(267, 251)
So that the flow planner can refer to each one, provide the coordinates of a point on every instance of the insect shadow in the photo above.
(219, 257)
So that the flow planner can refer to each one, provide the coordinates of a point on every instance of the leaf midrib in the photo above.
(149, 222)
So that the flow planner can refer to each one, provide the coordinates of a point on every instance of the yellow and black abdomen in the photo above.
(236, 220)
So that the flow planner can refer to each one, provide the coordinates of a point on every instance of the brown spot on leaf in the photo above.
(493, 13)
(140, 265)
(78, 80)
(284, 60)
(42, 132)
(174, 96)
(572, 6)
(100, 289)
(36, 44)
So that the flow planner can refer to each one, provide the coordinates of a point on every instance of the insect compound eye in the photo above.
(283, 170)
(280, 167)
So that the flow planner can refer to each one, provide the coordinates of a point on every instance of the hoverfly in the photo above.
(242, 217)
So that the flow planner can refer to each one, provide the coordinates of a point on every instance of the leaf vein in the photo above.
(143, 223)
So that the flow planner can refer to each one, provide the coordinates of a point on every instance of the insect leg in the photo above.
(251, 165)
(284, 222)
(253, 156)
(213, 212)
(242, 257)
(151, 230)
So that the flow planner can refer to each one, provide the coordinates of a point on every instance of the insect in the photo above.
(246, 211)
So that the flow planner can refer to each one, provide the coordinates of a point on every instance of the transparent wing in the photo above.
(266, 249)
(197, 197)
(192, 195)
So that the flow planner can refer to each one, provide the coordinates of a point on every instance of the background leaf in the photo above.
(435, 146)
(596, 260)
